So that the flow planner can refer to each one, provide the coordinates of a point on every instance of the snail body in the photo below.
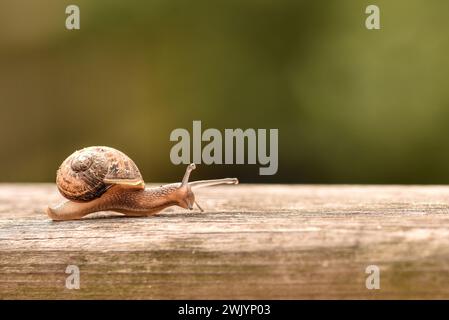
(104, 179)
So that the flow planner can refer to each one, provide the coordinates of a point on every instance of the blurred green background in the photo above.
(351, 105)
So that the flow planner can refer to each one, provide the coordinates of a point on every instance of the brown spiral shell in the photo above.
(86, 174)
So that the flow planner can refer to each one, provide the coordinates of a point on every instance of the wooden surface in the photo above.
(253, 241)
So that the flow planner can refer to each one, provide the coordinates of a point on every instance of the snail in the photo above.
(105, 179)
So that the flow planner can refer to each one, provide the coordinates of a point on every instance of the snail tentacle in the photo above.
(213, 182)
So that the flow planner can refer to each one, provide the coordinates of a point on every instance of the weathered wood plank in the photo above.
(253, 241)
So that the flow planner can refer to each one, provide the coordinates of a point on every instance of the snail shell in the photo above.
(86, 174)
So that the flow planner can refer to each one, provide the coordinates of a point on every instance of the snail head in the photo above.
(188, 197)
(186, 187)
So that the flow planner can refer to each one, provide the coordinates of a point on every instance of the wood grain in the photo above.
(253, 242)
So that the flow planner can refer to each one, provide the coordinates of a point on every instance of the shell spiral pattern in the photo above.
(86, 174)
